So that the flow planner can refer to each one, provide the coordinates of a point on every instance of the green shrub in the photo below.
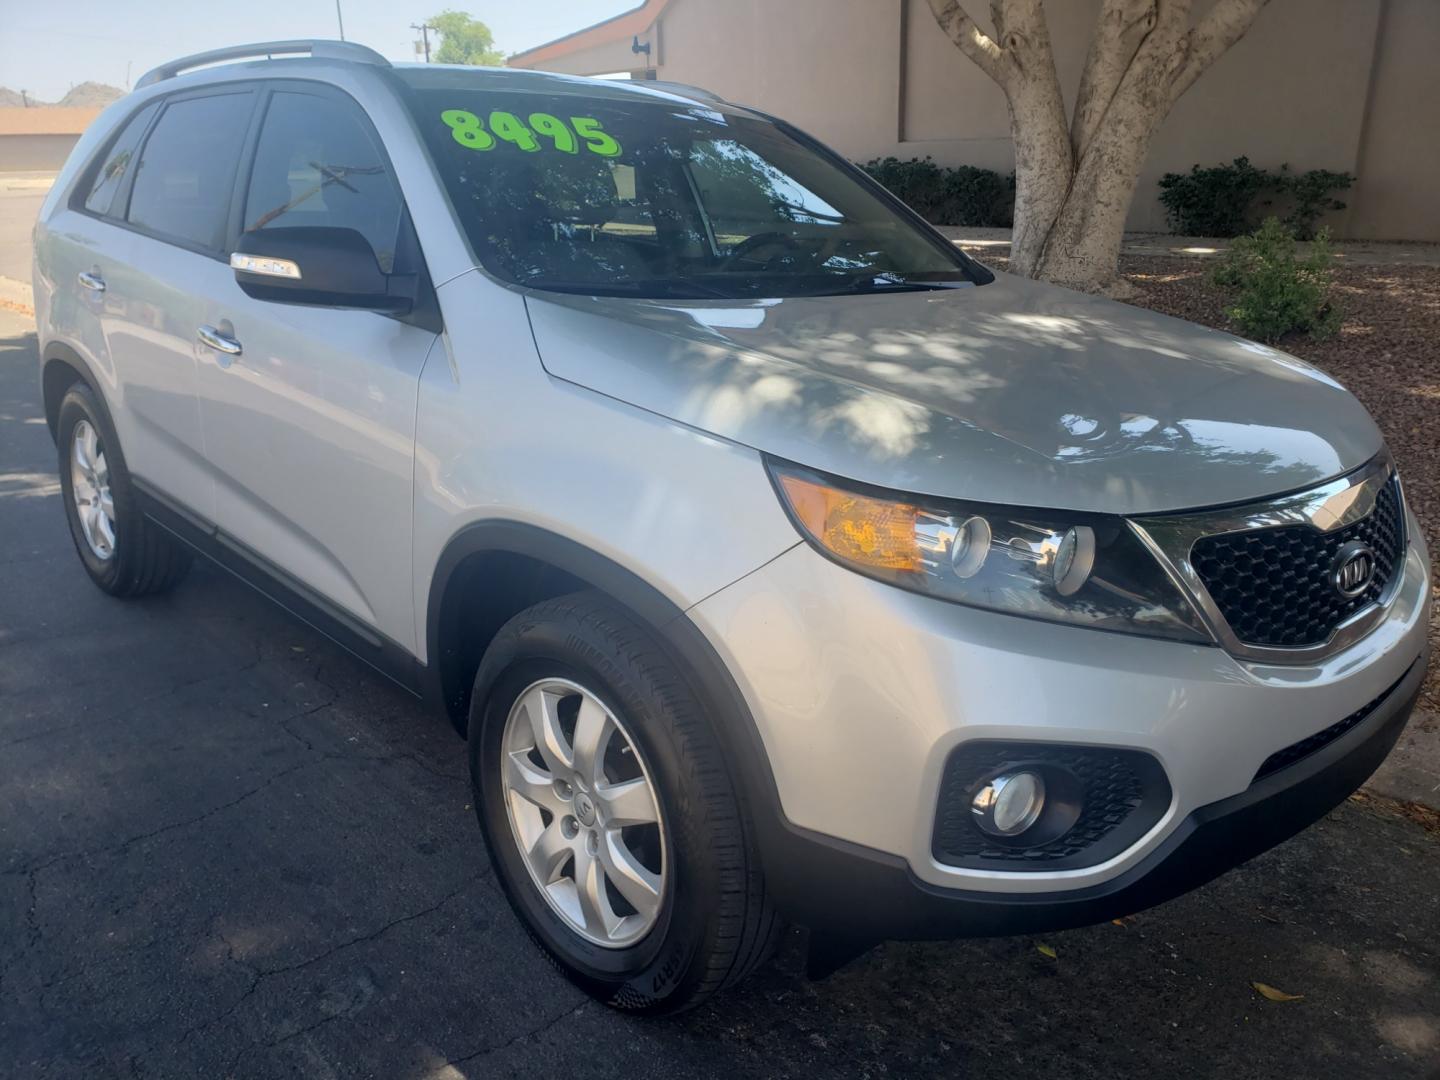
(1309, 195)
(1273, 291)
(943, 195)
(1214, 201)
(1222, 200)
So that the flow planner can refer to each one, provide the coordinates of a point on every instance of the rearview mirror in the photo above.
(320, 265)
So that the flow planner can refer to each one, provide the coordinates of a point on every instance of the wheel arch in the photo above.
(567, 566)
(61, 368)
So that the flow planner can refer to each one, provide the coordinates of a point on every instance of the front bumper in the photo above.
(860, 692)
(861, 895)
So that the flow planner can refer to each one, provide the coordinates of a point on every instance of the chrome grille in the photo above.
(1269, 578)
(1274, 586)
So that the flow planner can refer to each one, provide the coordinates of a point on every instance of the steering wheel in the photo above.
(747, 247)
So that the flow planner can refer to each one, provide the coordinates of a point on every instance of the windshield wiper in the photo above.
(650, 289)
(886, 281)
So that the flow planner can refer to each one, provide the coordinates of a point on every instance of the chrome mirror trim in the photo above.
(1329, 507)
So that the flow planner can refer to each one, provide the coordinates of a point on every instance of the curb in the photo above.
(980, 241)
(1411, 774)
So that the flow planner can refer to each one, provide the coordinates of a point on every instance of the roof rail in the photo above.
(318, 47)
(682, 90)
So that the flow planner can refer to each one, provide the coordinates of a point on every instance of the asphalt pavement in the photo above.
(227, 849)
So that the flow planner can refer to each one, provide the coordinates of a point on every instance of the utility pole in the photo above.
(424, 29)
(340, 18)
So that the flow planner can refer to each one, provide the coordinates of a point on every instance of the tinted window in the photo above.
(316, 164)
(651, 197)
(116, 165)
(187, 169)
(742, 193)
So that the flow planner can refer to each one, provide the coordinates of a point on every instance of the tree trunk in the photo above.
(1043, 174)
(1074, 184)
(1044, 165)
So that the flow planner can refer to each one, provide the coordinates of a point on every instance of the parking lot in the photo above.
(227, 849)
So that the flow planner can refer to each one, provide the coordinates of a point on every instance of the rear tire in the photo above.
(124, 552)
(713, 923)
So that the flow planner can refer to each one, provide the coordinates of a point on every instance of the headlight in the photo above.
(1067, 567)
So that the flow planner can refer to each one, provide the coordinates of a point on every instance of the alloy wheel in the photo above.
(90, 489)
(584, 813)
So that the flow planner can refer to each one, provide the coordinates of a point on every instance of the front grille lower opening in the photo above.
(1311, 744)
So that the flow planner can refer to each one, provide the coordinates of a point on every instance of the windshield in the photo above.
(664, 199)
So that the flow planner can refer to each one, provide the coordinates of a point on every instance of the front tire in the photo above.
(608, 810)
(124, 553)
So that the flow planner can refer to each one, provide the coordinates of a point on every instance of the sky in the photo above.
(46, 46)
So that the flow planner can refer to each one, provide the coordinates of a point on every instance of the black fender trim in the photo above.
(57, 352)
(688, 646)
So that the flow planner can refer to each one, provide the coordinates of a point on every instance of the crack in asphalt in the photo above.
(265, 973)
(259, 975)
(283, 723)
(133, 706)
(539, 1029)
(109, 849)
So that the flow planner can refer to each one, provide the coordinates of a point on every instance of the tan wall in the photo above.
(35, 153)
(46, 120)
(1350, 85)
(1398, 194)
(603, 59)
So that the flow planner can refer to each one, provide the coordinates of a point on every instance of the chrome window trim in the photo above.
(1326, 508)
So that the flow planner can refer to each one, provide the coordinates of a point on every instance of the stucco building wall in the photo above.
(1350, 85)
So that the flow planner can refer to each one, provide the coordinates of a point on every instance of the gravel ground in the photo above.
(1385, 354)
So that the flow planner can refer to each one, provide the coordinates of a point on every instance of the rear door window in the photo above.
(187, 166)
(116, 166)
(317, 164)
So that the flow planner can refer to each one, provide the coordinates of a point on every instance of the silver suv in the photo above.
(783, 564)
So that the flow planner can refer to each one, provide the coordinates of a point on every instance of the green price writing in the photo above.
(475, 134)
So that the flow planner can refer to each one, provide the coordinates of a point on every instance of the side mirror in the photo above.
(318, 265)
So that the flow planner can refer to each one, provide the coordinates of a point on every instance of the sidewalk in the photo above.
(21, 194)
(1412, 771)
(1356, 252)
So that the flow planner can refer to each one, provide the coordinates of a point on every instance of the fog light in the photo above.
(1009, 804)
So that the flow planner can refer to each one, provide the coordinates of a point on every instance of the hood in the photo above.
(1015, 392)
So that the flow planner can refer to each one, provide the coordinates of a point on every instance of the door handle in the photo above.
(91, 280)
(219, 342)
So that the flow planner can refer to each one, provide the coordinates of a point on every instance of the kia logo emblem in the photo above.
(1353, 569)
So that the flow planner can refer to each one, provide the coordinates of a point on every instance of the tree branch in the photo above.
(1207, 41)
(969, 38)
(1112, 48)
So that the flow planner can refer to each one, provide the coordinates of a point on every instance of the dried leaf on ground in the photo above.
(1269, 993)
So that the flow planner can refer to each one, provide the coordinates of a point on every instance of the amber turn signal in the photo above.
(873, 532)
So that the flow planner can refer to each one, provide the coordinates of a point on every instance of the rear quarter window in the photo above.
(116, 162)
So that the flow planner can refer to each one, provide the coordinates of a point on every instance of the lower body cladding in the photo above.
(1138, 768)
